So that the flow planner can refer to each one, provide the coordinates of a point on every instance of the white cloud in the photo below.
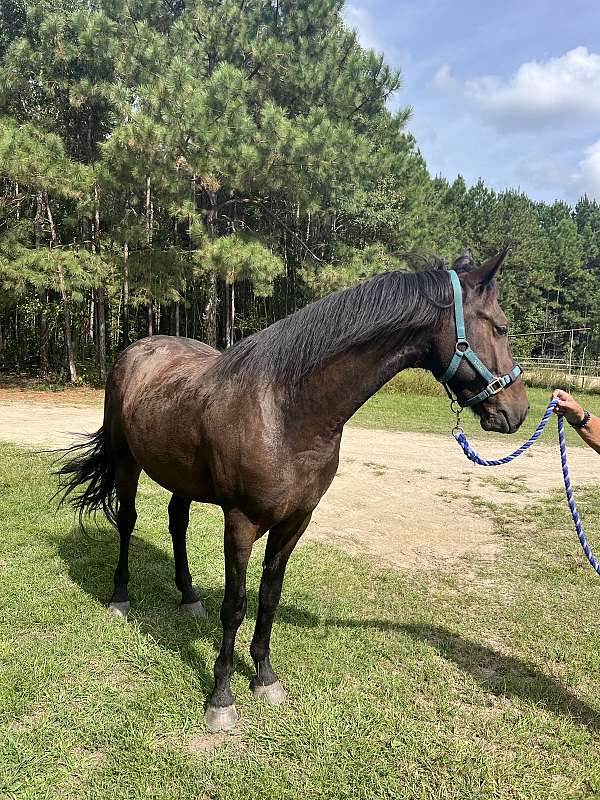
(444, 80)
(587, 177)
(556, 173)
(540, 93)
(362, 22)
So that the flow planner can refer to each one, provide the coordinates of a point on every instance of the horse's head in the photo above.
(486, 334)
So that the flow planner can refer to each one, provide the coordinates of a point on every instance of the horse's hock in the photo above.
(404, 499)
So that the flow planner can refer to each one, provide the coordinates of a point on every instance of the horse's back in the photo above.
(159, 361)
(153, 404)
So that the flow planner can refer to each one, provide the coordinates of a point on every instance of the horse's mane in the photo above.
(288, 350)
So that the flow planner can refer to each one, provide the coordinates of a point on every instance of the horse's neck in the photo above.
(335, 390)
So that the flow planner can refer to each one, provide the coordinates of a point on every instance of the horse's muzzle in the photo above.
(501, 421)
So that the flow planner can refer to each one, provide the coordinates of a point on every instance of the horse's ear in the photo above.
(463, 262)
(485, 273)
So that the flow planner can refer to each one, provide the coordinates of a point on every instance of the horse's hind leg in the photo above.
(179, 517)
(280, 544)
(127, 474)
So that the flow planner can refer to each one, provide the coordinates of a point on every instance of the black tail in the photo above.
(91, 465)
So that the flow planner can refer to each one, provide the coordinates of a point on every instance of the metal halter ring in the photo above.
(456, 408)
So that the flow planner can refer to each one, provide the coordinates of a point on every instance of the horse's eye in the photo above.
(502, 330)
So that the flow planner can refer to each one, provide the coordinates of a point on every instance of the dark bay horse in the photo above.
(257, 429)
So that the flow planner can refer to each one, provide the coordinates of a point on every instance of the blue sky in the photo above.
(509, 91)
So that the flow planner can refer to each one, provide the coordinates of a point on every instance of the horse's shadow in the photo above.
(91, 559)
(155, 598)
(504, 675)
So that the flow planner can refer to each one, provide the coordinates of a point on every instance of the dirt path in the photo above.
(395, 495)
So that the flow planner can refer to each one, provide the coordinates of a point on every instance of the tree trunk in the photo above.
(210, 309)
(100, 297)
(63, 295)
(185, 311)
(192, 284)
(67, 324)
(43, 293)
(101, 331)
(44, 360)
(175, 315)
(125, 294)
(149, 226)
(230, 325)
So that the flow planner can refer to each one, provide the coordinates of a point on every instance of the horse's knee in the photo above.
(259, 650)
(233, 609)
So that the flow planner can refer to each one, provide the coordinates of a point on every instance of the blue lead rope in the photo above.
(476, 459)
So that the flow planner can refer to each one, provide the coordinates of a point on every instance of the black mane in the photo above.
(291, 348)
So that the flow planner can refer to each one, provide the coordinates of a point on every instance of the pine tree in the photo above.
(207, 166)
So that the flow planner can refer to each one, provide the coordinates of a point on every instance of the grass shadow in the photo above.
(154, 597)
(499, 674)
(505, 675)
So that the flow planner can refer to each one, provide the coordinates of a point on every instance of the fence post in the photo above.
(569, 374)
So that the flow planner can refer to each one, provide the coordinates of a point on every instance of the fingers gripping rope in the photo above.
(477, 459)
(571, 499)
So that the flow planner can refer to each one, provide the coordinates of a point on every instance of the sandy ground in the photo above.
(400, 498)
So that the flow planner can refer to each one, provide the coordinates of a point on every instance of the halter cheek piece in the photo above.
(462, 350)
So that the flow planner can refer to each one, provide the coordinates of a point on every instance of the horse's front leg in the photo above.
(282, 540)
(240, 534)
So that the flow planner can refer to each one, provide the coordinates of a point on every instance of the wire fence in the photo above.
(560, 357)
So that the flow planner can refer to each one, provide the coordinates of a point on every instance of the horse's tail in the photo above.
(93, 468)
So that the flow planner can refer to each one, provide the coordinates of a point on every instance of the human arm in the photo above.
(573, 412)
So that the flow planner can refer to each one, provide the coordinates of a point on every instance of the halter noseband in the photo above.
(462, 350)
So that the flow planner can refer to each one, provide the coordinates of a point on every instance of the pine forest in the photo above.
(204, 167)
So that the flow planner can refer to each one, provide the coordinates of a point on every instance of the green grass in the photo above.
(429, 413)
(476, 683)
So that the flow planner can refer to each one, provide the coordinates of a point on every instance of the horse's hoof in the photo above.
(119, 610)
(273, 694)
(192, 609)
(220, 718)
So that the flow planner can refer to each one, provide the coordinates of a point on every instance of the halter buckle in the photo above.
(461, 346)
(495, 386)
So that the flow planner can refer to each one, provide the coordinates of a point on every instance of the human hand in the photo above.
(568, 406)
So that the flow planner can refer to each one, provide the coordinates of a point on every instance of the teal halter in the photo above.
(462, 350)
